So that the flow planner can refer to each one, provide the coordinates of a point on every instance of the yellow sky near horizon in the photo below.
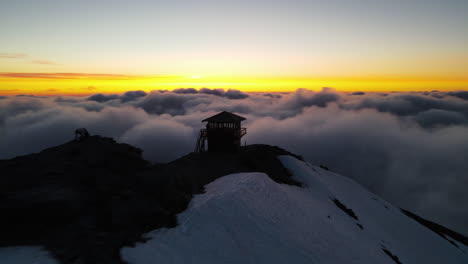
(83, 84)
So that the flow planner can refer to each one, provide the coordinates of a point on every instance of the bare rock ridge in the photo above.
(442, 231)
(85, 200)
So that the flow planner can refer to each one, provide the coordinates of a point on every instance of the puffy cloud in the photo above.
(440, 118)
(231, 93)
(272, 95)
(103, 97)
(217, 92)
(410, 148)
(185, 91)
(235, 94)
(169, 103)
(407, 104)
(303, 97)
(294, 103)
(63, 99)
(437, 94)
(460, 94)
(132, 95)
(14, 106)
(30, 95)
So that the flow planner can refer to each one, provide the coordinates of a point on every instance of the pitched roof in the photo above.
(224, 117)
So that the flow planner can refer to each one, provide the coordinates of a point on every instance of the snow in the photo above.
(25, 255)
(248, 218)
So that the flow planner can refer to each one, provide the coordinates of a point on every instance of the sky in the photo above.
(84, 47)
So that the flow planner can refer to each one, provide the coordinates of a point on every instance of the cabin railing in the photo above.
(200, 146)
(203, 132)
(243, 131)
(238, 132)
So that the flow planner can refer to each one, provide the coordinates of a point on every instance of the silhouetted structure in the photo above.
(81, 133)
(223, 133)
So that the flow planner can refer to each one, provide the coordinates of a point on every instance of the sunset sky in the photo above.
(84, 47)
(376, 90)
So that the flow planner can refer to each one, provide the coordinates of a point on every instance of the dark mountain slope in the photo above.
(85, 200)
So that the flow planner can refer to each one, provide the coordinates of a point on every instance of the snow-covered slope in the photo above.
(25, 255)
(248, 218)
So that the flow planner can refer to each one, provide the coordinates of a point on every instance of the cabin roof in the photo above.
(224, 117)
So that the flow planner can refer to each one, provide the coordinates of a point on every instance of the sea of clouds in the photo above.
(410, 148)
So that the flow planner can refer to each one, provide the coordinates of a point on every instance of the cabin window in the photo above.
(223, 125)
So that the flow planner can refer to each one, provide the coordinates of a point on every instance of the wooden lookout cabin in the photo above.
(223, 133)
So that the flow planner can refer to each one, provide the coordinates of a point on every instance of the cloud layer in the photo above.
(410, 148)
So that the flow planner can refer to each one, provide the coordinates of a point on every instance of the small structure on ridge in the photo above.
(81, 134)
(223, 133)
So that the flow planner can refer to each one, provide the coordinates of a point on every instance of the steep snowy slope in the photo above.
(248, 218)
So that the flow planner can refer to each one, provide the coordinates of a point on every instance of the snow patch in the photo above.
(25, 255)
(248, 218)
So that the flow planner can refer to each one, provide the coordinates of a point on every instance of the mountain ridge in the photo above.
(105, 195)
(90, 198)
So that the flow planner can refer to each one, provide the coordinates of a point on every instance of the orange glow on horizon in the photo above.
(85, 84)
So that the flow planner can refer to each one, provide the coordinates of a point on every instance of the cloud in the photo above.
(16, 106)
(358, 93)
(43, 62)
(304, 97)
(410, 148)
(13, 55)
(272, 95)
(103, 97)
(23, 56)
(294, 103)
(217, 92)
(235, 94)
(170, 103)
(63, 99)
(185, 91)
(103, 76)
(440, 118)
(231, 93)
(407, 104)
(132, 95)
(21, 104)
(30, 95)
(460, 94)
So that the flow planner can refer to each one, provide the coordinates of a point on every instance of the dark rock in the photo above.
(442, 231)
(345, 209)
(324, 167)
(393, 257)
